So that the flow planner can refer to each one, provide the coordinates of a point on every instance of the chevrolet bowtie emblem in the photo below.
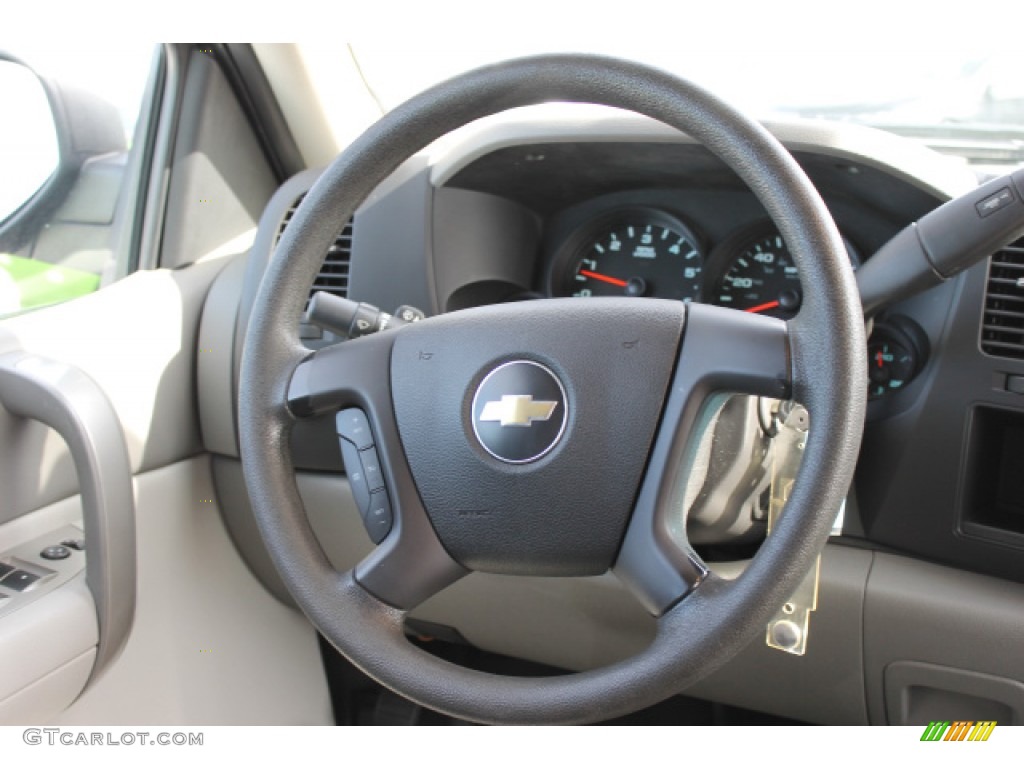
(518, 410)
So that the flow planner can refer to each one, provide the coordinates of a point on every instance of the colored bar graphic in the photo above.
(982, 730)
(960, 730)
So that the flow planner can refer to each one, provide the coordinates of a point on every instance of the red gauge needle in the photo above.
(603, 278)
(880, 359)
(763, 307)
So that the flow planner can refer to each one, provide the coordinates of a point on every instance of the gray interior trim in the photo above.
(259, 256)
(216, 380)
(917, 694)
(464, 223)
(70, 402)
(930, 614)
(140, 171)
(209, 645)
(219, 178)
(50, 694)
(826, 685)
(254, 93)
(40, 639)
(159, 174)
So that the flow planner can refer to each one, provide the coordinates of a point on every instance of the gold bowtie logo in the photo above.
(518, 410)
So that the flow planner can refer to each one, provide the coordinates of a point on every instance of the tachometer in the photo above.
(758, 274)
(636, 252)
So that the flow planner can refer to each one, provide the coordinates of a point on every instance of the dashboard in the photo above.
(536, 204)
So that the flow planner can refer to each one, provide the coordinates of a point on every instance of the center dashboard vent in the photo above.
(333, 274)
(1002, 329)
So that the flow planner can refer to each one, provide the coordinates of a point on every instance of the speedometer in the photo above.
(634, 252)
(756, 273)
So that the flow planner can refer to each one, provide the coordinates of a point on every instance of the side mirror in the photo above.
(61, 162)
(29, 150)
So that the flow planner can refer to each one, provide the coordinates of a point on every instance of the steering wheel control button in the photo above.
(356, 476)
(378, 518)
(76, 544)
(365, 475)
(19, 580)
(371, 468)
(56, 552)
(353, 425)
(519, 411)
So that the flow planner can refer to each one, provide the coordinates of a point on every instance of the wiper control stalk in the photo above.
(945, 242)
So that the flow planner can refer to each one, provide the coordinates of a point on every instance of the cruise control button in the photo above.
(19, 580)
(356, 476)
(378, 516)
(371, 468)
(353, 425)
(56, 552)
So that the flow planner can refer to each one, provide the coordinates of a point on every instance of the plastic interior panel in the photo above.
(216, 381)
(827, 684)
(466, 250)
(45, 635)
(219, 180)
(917, 694)
(927, 435)
(915, 611)
(209, 644)
(41, 701)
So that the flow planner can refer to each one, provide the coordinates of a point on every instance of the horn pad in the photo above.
(528, 443)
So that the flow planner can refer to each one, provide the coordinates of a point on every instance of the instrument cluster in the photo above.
(641, 251)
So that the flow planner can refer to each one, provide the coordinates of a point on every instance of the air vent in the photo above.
(333, 275)
(1002, 330)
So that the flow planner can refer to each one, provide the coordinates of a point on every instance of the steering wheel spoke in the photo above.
(723, 352)
(409, 566)
(353, 373)
(353, 377)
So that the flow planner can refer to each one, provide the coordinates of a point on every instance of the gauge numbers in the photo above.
(763, 278)
(756, 273)
(637, 253)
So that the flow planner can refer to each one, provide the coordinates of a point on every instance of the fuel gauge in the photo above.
(896, 353)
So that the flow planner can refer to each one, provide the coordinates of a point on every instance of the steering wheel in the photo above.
(545, 437)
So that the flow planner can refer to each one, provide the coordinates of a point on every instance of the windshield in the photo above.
(963, 102)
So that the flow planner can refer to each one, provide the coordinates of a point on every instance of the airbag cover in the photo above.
(534, 482)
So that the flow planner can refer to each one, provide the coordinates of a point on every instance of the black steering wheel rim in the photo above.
(827, 371)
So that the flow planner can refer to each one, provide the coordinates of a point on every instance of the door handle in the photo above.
(70, 402)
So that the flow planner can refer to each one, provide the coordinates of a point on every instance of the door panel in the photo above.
(210, 645)
(204, 628)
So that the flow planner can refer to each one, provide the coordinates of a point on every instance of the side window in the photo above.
(70, 170)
